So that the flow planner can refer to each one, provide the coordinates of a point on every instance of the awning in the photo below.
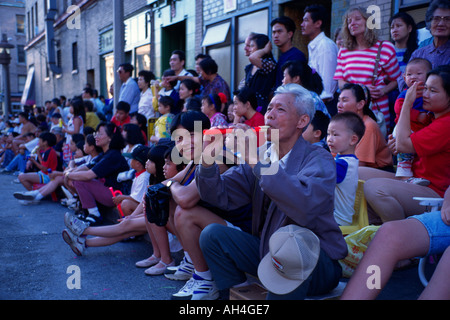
(28, 95)
(216, 34)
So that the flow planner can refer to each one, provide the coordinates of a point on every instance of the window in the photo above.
(28, 25)
(221, 47)
(257, 22)
(32, 22)
(21, 53)
(36, 12)
(20, 24)
(216, 34)
(74, 56)
(21, 80)
(142, 57)
(59, 58)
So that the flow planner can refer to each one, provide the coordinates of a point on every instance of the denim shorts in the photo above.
(438, 231)
(43, 178)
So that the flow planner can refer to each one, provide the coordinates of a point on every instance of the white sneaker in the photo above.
(181, 272)
(77, 244)
(74, 224)
(197, 288)
(27, 195)
(67, 193)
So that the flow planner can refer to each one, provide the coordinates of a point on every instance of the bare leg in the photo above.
(386, 249)
(103, 242)
(190, 224)
(439, 286)
(126, 226)
(51, 186)
(28, 179)
(161, 237)
(128, 206)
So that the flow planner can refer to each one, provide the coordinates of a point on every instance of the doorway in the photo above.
(173, 38)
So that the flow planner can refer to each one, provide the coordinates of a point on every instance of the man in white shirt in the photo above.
(177, 62)
(129, 92)
(322, 51)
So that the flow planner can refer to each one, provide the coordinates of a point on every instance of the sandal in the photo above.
(156, 271)
(148, 262)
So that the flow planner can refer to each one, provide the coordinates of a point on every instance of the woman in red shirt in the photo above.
(390, 198)
(245, 104)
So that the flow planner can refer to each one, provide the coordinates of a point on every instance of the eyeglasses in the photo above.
(437, 19)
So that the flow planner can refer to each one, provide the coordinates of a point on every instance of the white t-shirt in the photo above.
(346, 185)
(139, 186)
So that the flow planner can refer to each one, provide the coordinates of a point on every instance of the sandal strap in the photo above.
(165, 264)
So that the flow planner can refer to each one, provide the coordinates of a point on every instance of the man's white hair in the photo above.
(303, 100)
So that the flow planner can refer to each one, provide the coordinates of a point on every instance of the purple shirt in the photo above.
(437, 56)
(216, 86)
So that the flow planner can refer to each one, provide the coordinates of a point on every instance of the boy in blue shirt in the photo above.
(344, 132)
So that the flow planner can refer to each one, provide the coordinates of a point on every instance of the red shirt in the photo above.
(49, 159)
(118, 123)
(432, 145)
(255, 121)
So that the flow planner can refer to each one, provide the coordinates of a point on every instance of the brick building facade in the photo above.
(12, 23)
(154, 28)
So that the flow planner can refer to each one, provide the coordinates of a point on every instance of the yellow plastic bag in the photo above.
(357, 243)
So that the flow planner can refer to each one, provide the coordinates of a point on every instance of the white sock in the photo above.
(188, 258)
(204, 274)
(38, 196)
(94, 211)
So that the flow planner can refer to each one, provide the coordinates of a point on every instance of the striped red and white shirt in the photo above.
(357, 66)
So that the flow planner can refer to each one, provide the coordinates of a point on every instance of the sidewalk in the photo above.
(35, 261)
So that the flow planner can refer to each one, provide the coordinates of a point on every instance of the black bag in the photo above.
(157, 200)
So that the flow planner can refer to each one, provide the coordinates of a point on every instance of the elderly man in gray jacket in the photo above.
(300, 192)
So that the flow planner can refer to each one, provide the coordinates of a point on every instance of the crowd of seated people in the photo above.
(327, 123)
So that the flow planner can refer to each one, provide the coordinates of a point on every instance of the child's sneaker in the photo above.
(77, 244)
(27, 195)
(76, 225)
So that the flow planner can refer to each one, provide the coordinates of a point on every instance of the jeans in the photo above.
(19, 162)
(231, 253)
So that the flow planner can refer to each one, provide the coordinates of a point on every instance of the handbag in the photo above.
(157, 200)
(381, 121)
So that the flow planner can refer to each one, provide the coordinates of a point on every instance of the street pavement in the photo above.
(38, 265)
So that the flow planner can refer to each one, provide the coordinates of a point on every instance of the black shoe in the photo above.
(93, 220)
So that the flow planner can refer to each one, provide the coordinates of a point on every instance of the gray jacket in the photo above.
(301, 194)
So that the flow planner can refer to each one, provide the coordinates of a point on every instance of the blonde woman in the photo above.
(357, 60)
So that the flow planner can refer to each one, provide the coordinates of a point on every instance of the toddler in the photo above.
(344, 132)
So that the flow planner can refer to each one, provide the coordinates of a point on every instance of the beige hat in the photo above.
(293, 255)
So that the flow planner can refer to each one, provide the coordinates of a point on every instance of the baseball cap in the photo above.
(139, 153)
(293, 255)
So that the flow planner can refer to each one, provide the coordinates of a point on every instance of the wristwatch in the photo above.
(169, 183)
